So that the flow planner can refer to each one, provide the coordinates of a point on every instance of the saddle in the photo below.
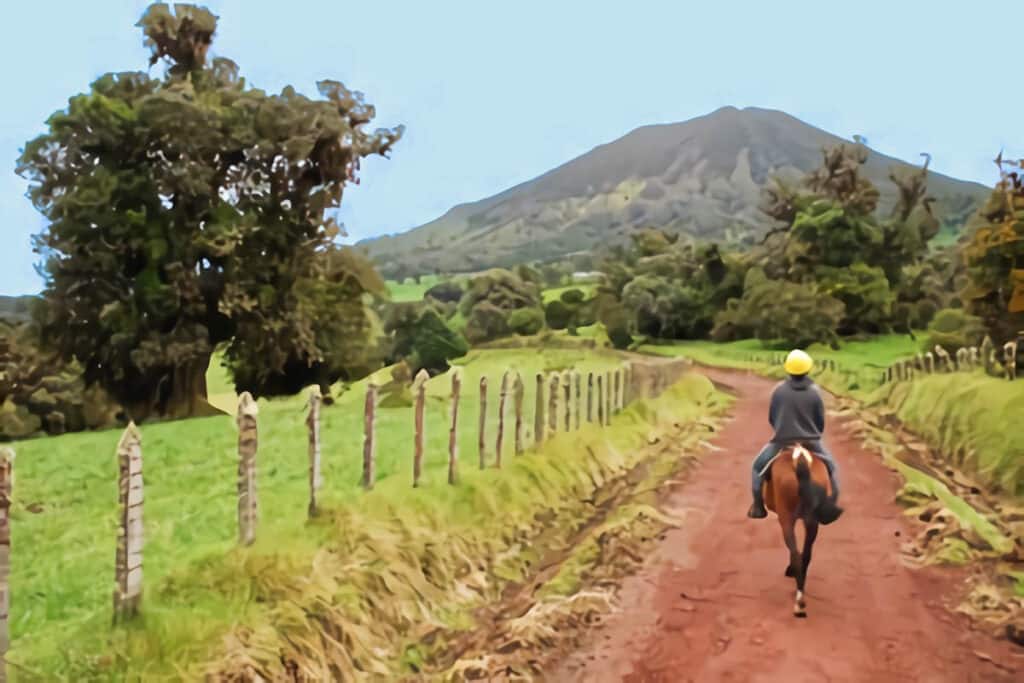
(795, 452)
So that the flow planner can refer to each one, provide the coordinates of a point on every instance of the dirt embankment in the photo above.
(712, 604)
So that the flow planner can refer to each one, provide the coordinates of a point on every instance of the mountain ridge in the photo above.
(700, 177)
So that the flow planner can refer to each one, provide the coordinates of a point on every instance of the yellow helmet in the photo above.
(798, 363)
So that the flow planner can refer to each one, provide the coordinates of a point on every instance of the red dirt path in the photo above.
(712, 604)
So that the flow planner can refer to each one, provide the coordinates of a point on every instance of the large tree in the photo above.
(830, 234)
(994, 255)
(190, 210)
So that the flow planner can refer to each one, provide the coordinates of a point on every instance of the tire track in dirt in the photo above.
(712, 604)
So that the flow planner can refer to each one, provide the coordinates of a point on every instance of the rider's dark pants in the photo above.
(769, 451)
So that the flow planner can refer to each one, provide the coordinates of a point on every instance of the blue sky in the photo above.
(494, 93)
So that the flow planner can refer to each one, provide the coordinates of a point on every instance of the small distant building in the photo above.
(588, 276)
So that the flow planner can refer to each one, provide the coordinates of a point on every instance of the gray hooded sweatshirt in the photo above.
(797, 412)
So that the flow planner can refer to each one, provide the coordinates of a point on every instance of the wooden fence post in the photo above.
(608, 397)
(482, 425)
(313, 423)
(600, 400)
(453, 431)
(929, 359)
(1010, 360)
(501, 419)
(130, 536)
(590, 397)
(577, 381)
(618, 388)
(6, 496)
(538, 411)
(420, 384)
(625, 385)
(248, 444)
(518, 391)
(369, 429)
(986, 351)
(553, 404)
(567, 385)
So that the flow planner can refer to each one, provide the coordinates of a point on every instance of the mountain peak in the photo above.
(701, 177)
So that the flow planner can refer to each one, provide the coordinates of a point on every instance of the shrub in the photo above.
(953, 328)
(447, 292)
(557, 315)
(526, 321)
(486, 322)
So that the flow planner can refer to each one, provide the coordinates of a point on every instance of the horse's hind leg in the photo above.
(805, 563)
(795, 562)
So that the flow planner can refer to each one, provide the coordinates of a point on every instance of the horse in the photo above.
(798, 487)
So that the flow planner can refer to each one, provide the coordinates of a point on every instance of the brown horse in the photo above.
(798, 487)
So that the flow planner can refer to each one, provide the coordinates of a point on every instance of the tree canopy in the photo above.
(192, 210)
(994, 255)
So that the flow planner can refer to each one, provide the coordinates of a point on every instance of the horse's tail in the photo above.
(817, 504)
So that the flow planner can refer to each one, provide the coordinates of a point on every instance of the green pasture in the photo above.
(65, 495)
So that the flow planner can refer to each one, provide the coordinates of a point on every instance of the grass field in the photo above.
(860, 362)
(588, 289)
(410, 290)
(197, 583)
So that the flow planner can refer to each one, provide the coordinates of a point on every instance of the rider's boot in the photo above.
(757, 510)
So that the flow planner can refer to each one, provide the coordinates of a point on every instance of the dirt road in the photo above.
(712, 604)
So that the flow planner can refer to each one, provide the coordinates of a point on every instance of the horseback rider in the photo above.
(797, 414)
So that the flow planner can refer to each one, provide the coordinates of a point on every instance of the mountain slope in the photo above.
(701, 177)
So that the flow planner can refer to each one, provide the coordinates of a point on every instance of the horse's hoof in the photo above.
(789, 572)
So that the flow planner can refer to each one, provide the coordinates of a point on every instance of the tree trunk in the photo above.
(181, 394)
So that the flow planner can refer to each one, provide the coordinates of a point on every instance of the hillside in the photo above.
(15, 309)
(702, 177)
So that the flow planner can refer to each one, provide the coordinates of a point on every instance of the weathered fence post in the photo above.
(986, 351)
(313, 423)
(590, 397)
(369, 427)
(929, 358)
(453, 431)
(6, 496)
(553, 404)
(627, 385)
(608, 397)
(600, 400)
(973, 357)
(943, 356)
(502, 395)
(567, 386)
(420, 384)
(618, 388)
(482, 426)
(130, 537)
(1010, 360)
(538, 411)
(961, 358)
(577, 382)
(248, 443)
(518, 391)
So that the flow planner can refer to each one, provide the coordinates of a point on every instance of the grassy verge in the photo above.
(970, 417)
(198, 584)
